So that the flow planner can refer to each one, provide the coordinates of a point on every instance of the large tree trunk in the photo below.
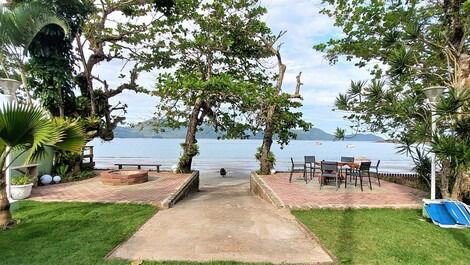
(460, 185)
(266, 162)
(189, 147)
(5, 215)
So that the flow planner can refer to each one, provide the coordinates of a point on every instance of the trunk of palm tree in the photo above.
(26, 87)
(5, 215)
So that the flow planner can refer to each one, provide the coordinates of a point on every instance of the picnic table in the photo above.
(138, 165)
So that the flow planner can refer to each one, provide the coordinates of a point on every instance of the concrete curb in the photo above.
(259, 187)
(189, 186)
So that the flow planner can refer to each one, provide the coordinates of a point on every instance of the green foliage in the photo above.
(77, 176)
(62, 170)
(271, 157)
(217, 80)
(406, 46)
(22, 180)
(20, 25)
(37, 132)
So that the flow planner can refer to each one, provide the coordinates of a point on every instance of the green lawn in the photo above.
(72, 233)
(386, 236)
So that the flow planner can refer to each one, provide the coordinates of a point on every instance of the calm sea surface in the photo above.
(238, 155)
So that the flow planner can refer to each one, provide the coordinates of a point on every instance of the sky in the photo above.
(322, 82)
(305, 27)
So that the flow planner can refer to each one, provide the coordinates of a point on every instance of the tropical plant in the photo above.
(27, 129)
(21, 180)
(408, 46)
(18, 28)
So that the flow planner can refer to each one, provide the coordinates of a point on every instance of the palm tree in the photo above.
(18, 28)
(27, 129)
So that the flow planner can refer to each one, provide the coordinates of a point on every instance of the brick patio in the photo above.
(159, 188)
(298, 195)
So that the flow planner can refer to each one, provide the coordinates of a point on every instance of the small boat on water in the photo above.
(350, 146)
(318, 143)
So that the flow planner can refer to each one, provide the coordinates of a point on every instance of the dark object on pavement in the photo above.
(223, 172)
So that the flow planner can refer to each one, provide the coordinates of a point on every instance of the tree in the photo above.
(131, 32)
(50, 68)
(38, 131)
(277, 116)
(407, 46)
(18, 28)
(217, 79)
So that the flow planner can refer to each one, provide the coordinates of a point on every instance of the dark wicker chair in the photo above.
(347, 171)
(310, 165)
(297, 168)
(363, 171)
(376, 167)
(329, 170)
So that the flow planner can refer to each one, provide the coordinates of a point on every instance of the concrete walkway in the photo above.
(223, 222)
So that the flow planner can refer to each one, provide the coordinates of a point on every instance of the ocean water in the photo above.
(238, 155)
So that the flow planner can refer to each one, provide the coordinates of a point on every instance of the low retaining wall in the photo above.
(189, 186)
(259, 188)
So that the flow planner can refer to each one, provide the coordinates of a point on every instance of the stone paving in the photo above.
(159, 187)
(298, 195)
(223, 222)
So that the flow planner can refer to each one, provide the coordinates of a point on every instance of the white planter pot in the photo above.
(20, 192)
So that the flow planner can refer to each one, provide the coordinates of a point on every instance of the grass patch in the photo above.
(73, 233)
(69, 233)
(386, 236)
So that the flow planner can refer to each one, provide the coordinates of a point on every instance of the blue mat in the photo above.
(448, 214)
(439, 213)
(458, 212)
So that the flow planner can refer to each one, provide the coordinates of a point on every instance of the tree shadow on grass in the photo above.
(346, 241)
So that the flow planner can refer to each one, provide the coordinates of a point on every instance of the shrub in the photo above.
(23, 180)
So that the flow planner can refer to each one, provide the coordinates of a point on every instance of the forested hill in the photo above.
(209, 133)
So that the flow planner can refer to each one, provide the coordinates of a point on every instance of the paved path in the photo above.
(300, 195)
(159, 187)
(223, 222)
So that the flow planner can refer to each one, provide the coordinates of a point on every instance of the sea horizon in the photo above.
(238, 155)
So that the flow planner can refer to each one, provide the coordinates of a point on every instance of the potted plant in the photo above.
(20, 187)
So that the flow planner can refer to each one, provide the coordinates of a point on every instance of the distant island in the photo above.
(209, 133)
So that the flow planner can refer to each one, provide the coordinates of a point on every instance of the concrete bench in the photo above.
(139, 166)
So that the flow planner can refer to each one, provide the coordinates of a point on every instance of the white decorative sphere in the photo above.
(57, 179)
(46, 179)
(174, 168)
(273, 171)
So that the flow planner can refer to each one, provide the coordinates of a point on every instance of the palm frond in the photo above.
(72, 135)
(21, 25)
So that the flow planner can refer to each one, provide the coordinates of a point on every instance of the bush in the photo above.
(86, 174)
(23, 180)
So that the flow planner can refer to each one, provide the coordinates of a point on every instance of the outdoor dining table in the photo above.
(342, 164)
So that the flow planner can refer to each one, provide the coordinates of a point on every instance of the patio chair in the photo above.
(376, 167)
(363, 171)
(347, 159)
(329, 170)
(297, 168)
(310, 165)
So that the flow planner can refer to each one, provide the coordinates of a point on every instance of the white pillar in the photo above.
(433, 159)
